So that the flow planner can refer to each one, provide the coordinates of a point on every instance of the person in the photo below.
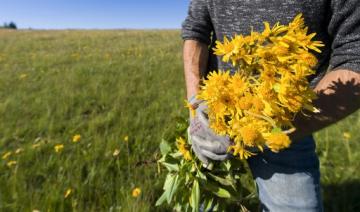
(288, 180)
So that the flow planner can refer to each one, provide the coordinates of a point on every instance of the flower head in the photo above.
(116, 152)
(277, 141)
(6, 155)
(136, 192)
(58, 148)
(76, 138)
(181, 145)
(68, 192)
(347, 135)
(11, 163)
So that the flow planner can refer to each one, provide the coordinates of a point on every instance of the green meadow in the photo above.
(119, 90)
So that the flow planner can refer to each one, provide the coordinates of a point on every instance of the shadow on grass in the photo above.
(342, 197)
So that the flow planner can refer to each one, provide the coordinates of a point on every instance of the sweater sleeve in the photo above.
(197, 25)
(344, 28)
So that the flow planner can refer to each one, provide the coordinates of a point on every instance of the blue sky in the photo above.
(89, 14)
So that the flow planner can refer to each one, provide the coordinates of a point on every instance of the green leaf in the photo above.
(173, 188)
(161, 199)
(201, 175)
(176, 155)
(227, 165)
(168, 181)
(223, 181)
(223, 193)
(195, 196)
(217, 190)
(165, 147)
(171, 166)
(209, 204)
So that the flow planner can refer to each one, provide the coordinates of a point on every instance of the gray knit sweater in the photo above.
(336, 22)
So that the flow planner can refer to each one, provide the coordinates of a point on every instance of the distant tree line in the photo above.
(10, 25)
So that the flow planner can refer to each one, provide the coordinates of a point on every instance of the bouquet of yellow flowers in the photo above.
(255, 107)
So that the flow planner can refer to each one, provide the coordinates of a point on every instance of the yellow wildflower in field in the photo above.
(126, 138)
(58, 148)
(68, 192)
(11, 163)
(34, 146)
(181, 145)
(6, 155)
(23, 76)
(347, 135)
(136, 192)
(76, 138)
(116, 152)
(19, 150)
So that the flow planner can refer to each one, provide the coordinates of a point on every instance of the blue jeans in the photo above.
(289, 180)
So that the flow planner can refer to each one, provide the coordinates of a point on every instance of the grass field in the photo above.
(118, 90)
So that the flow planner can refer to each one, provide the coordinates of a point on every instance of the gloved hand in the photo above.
(206, 144)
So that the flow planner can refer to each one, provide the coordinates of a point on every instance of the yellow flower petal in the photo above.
(116, 152)
(136, 192)
(11, 163)
(6, 155)
(76, 138)
(58, 148)
(68, 192)
(347, 135)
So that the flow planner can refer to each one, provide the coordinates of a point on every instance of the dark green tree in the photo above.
(12, 25)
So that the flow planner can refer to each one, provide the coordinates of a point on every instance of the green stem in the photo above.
(272, 122)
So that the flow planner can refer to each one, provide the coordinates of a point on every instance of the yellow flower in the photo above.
(11, 163)
(6, 155)
(258, 104)
(238, 84)
(347, 135)
(34, 146)
(277, 141)
(136, 192)
(226, 49)
(58, 148)
(126, 138)
(181, 145)
(250, 135)
(19, 150)
(191, 108)
(240, 150)
(23, 76)
(116, 152)
(245, 102)
(219, 125)
(68, 192)
(76, 138)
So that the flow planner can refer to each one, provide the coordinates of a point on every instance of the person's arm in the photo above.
(339, 90)
(338, 96)
(195, 57)
(196, 31)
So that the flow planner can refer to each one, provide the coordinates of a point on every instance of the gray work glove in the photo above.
(206, 144)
